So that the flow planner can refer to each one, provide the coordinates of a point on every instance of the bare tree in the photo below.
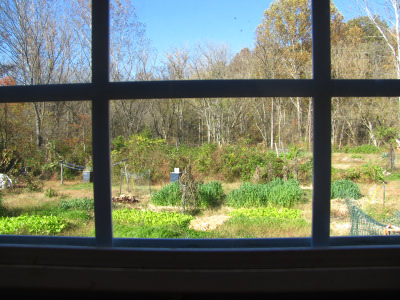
(388, 25)
(177, 63)
(35, 41)
(387, 21)
(129, 47)
(128, 116)
(211, 61)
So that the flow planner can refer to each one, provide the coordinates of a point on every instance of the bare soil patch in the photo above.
(351, 160)
(207, 223)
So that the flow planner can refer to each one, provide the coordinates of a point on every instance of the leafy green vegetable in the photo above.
(150, 218)
(268, 212)
(36, 225)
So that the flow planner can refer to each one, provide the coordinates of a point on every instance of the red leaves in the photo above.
(8, 80)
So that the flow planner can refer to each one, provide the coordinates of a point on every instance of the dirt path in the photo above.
(208, 223)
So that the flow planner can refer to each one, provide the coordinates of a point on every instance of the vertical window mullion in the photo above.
(322, 122)
(100, 123)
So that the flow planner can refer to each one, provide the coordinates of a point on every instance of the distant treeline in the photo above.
(56, 49)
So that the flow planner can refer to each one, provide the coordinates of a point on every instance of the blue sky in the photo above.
(177, 23)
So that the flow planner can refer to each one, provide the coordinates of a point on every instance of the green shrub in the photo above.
(273, 167)
(168, 195)
(305, 171)
(50, 193)
(240, 162)
(345, 189)
(32, 184)
(119, 143)
(353, 174)
(143, 153)
(292, 153)
(227, 162)
(70, 174)
(372, 173)
(283, 193)
(77, 203)
(248, 195)
(365, 173)
(365, 149)
(179, 157)
(36, 225)
(211, 194)
(48, 169)
(204, 161)
(277, 192)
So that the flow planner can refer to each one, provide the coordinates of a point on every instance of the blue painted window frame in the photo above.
(321, 87)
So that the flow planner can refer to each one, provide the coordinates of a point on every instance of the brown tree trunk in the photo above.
(38, 125)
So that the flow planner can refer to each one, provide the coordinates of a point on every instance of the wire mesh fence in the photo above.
(361, 223)
(136, 184)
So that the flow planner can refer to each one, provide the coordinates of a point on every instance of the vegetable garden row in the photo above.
(254, 210)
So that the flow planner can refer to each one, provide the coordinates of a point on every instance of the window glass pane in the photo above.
(205, 39)
(364, 40)
(45, 42)
(46, 150)
(364, 166)
(211, 168)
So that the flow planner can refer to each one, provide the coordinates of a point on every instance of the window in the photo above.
(184, 265)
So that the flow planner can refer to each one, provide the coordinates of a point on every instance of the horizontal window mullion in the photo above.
(201, 89)
(210, 89)
(228, 244)
(42, 93)
(362, 241)
(160, 89)
(365, 88)
(33, 240)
